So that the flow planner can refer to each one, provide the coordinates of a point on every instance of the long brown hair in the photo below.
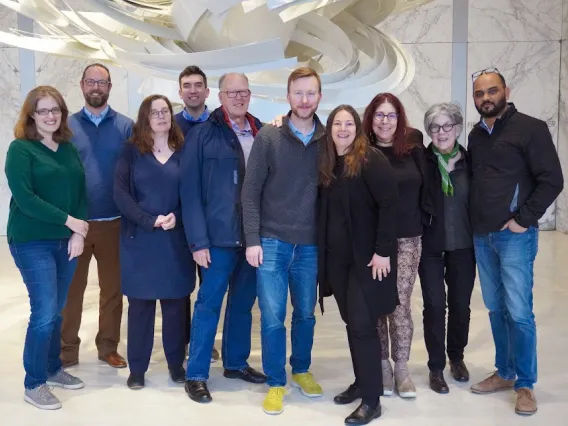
(142, 132)
(400, 144)
(354, 157)
(26, 128)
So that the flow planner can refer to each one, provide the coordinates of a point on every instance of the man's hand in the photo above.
(202, 258)
(278, 120)
(513, 226)
(254, 256)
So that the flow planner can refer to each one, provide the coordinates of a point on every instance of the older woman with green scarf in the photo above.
(447, 247)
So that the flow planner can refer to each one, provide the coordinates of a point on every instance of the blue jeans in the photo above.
(505, 262)
(47, 273)
(295, 267)
(228, 269)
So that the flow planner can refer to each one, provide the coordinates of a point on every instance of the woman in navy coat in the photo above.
(155, 260)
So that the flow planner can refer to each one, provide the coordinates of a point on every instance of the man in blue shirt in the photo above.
(98, 133)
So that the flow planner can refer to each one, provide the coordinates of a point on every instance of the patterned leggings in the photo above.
(400, 321)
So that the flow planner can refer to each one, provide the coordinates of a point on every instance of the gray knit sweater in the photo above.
(280, 189)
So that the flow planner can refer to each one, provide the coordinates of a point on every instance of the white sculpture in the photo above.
(263, 38)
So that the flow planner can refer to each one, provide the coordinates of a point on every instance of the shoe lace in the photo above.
(276, 394)
(44, 392)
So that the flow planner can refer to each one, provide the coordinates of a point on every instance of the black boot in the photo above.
(348, 396)
(364, 414)
(459, 371)
(197, 391)
(438, 383)
(177, 374)
(135, 381)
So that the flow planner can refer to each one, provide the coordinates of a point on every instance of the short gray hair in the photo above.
(451, 109)
(224, 76)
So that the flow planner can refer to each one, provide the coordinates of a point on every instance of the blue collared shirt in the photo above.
(96, 119)
(485, 126)
(245, 136)
(304, 138)
(204, 116)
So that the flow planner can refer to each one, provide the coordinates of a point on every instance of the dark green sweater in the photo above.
(46, 187)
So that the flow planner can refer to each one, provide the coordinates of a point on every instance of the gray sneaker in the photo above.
(41, 397)
(65, 380)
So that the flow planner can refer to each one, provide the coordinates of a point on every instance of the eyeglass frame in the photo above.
(237, 92)
(58, 111)
(165, 112)
(98, 83)
(452, 125)
(389, 116)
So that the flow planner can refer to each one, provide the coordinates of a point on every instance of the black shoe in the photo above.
(363, 415)
(437, 382)
(135, 381)
(459, 371)
(348, 396)
(249, 374)
(197, 391)
(177, 374)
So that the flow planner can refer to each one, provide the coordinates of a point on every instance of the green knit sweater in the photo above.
(46, 186)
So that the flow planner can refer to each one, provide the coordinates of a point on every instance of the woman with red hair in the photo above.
(385, 124)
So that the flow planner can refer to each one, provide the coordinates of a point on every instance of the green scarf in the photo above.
(443, 159)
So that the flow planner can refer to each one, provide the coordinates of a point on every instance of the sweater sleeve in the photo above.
(193, 212)
(381, 182)
(257, 171)
(122, 194)
(19, 174)
(81, 212)
(544, 165)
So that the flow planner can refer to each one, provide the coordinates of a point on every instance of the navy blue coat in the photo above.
(212, 174)
(155, 264)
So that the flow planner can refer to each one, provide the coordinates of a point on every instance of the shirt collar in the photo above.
(241, 132)
(203, 117)
(99, 117)
(301, 135)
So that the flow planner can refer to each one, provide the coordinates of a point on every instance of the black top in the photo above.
(338, 240)
(516, 172)
(409, 178)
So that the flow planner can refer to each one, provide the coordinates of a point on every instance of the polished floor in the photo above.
(106, 401)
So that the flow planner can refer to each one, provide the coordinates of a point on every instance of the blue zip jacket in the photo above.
(212, 174)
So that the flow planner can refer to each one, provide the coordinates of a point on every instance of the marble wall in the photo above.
(525, 39)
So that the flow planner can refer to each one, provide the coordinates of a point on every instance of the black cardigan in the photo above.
(370, 206)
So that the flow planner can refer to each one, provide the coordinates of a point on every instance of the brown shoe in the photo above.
(492, 384)
(69, 364)
(114, 360)
(214, 355)
(526, 402)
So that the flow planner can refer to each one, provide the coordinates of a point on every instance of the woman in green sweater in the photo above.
(46, 231)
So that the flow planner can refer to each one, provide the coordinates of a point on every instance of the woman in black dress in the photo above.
(357, 249)
(155, 260)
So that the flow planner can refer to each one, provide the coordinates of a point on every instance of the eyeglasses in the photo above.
(164, 113)
(391, 116)
(233, 93)
(300, 95)
(101, 83)
(435, 128)
(492, 70)
(44, 112)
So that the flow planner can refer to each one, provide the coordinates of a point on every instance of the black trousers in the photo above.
(457, 269)
(361, 325)
(187, 329)
(141, 321)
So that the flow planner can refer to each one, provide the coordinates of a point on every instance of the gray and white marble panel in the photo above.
(429, 23)
(65, 75)
(10, 107)
(532, 71)
(562, 202)
(432, 82)
(8, 20)
(514, 20)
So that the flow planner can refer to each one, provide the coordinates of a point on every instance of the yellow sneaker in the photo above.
(274, 401)
(307, 385)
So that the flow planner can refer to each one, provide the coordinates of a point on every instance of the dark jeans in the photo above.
(457, 269)
(230, 270)
(141, 320)
(47, 273)
(362, 333)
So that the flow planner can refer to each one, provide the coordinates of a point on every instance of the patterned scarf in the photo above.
(443, 159)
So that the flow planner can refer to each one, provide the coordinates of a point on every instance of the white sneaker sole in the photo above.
(42, 407)
(69, 387)
(407, 394)
(387, 392)
(309, 395)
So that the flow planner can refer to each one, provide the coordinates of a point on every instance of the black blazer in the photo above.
(370, 206)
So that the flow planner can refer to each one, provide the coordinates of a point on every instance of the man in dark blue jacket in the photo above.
(98, 133)
(213, 168)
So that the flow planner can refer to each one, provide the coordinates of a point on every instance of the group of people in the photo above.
(357, 207)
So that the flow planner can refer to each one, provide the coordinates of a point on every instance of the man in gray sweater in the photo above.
(279, 213)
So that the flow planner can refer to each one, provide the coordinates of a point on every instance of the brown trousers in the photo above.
(103, 242)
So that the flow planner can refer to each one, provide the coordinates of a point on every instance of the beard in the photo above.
(493, 112)
(303, 114)
(96, 99)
